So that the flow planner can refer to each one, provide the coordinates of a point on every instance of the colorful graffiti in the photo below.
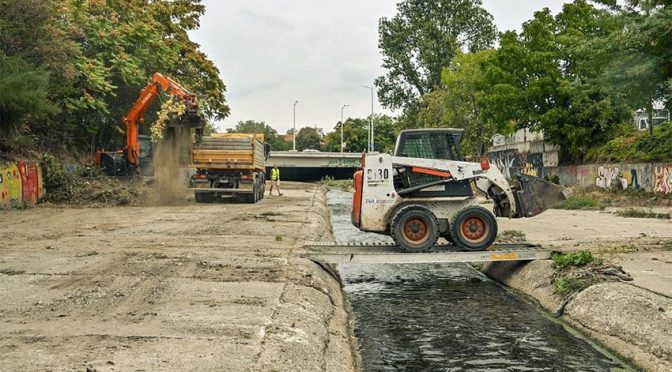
(656, 177)
(663, 179)
(20, 184)
(608, 177)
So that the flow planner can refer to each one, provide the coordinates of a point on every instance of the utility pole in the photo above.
(294, 134)
(342, 125)
(371, 144)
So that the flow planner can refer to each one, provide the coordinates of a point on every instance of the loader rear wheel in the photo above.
(415, 228)
(474, 228)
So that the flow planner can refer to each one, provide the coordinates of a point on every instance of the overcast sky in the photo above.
(273, 52)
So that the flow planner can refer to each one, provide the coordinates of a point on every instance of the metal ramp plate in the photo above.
(372, 253)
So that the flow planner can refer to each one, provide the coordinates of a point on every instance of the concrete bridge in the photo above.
(313, 166)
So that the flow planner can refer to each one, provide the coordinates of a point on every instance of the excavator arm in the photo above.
(159, 83)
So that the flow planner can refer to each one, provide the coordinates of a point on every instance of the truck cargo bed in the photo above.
(229, 151)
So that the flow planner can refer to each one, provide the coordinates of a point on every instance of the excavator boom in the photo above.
(129, 158)
(159, 83)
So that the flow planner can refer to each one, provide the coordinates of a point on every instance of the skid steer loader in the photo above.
(425, 191)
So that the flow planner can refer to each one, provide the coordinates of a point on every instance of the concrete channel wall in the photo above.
(651, 177)
(21, 184)
(629, 320)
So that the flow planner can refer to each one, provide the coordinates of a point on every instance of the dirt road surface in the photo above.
(190, 287)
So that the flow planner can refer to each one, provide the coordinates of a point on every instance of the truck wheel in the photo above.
(415, 228)
(474, 228)
(254, 196)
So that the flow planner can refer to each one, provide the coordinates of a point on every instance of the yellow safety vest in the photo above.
(275, 174)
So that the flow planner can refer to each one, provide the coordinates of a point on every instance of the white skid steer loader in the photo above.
(425, 191)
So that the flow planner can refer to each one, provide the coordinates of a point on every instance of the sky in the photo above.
(271, 53)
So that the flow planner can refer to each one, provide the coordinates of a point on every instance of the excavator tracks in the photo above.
(379, 253)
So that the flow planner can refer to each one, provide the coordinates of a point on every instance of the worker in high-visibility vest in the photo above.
(275, 180)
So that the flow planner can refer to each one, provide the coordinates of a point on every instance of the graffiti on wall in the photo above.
(20, 184)
(512, 162)
(663, 179)
(509, 162)
(608, 177)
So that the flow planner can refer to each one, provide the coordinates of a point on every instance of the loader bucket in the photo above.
(534, 195)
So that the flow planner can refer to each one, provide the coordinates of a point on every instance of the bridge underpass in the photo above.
(313, 166)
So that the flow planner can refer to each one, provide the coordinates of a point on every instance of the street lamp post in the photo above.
(294, 133)
(371, 144)
(342, 125)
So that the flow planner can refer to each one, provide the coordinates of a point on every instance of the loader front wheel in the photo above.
(415, 228)
(474, 228)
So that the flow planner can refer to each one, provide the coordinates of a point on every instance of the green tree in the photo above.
(460, 103)
(422, 39)
(548, 78)
(308, 138)
(23, 95)
(355, 134)
(639, 52)
(99, 54)
(271, 136)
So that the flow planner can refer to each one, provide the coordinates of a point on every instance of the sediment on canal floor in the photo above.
(631, 321)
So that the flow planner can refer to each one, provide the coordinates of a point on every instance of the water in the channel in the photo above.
(449, 317)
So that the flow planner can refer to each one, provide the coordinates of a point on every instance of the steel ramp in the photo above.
(373, 253)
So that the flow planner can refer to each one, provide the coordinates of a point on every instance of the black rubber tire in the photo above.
(482, 226)
(415, 219)
(203, 197)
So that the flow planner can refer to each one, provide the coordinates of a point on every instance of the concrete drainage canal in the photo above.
(450, 317)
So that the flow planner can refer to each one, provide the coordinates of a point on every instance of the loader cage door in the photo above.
(431, 144)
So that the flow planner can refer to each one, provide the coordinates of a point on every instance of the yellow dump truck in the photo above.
(229, 165)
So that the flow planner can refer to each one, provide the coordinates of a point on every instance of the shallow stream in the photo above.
(449, 317)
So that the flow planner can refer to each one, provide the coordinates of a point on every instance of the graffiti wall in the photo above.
(662, 178)
(656, 177)
(20, 184)
(512, 162)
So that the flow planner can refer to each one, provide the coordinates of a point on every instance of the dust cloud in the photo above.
(172, 153)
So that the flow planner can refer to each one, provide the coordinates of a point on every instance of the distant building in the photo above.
(641, 118)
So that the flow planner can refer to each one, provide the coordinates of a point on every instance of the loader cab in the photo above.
(439, 143)
(435, 143)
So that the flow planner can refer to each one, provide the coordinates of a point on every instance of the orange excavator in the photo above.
(138, 153)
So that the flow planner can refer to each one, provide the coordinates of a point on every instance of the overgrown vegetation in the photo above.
(580, 201)
(633, 146)
(638, 213)
(86, 185)
(331, 183)
(575, 271)
(577, 258)
(566, 280)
